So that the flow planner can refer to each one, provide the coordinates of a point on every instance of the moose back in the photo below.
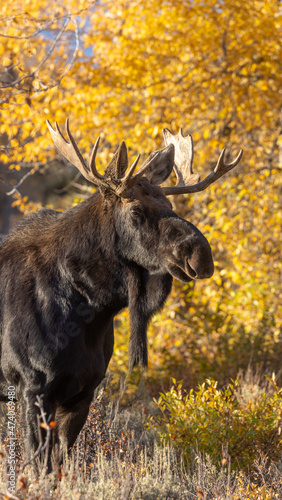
(64, 277)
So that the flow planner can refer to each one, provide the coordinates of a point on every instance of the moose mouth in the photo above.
(182, 273)
(190, 271)
(186, 273)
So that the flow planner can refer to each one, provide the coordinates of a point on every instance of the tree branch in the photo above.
(45, 423)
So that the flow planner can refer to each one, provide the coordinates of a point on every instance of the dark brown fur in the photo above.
(64, 276)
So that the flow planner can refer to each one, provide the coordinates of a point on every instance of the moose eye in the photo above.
(135, 211)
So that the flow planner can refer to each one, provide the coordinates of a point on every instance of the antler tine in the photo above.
(74, 149)
(72, 153)
(131, 181)
(131, 170)
(92, 163)
(121, 187)
(90, 173)
(69, 149)
(220, 169)
(184, 154)
(187, 182)
(227, 166)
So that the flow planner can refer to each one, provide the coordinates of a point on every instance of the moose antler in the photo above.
(121, 187)
(187, 182)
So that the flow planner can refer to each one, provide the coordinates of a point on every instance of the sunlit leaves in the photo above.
(218, 326)
(142, 66)
(214, 71)
(233, 423)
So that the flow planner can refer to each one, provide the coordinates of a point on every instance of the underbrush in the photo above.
(236, 423)
(158, 476)
(118, 457)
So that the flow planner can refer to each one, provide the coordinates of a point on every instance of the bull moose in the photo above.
(65, 275)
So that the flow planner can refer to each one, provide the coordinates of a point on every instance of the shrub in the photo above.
(225, 423)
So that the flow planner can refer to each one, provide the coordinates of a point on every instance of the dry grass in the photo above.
(117, 458)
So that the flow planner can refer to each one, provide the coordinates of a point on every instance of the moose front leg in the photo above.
(70, 419)
(3, 387)
(31, 418)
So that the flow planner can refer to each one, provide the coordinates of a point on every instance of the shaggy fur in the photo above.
(64, 277)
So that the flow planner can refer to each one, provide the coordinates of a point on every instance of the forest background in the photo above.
(125, 70)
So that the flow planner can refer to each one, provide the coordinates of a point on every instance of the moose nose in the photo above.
(190, 271)
(199, 270)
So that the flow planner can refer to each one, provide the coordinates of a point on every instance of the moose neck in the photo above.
(88, 229)
(88, 251)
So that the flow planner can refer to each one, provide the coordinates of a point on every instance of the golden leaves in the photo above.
(142, 66)
(187, 64)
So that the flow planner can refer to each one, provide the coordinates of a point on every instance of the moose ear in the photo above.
(119, 163)
(162, 165)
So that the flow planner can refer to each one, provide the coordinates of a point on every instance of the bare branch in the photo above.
(43, 61)
(15, 188)
(27, 37)
(45, 423)
(71, 63)
(9, 495)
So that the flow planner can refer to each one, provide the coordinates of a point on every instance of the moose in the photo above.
(65, 275)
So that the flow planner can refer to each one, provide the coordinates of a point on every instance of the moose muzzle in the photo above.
(185, 251)
(199, 264)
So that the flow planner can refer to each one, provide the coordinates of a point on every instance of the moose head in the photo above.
(148, 231)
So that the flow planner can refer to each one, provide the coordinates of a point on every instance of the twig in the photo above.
(71, 63)
(42, 447)
(26, 37)
(8, 495)
(43, 61)
(15, 188)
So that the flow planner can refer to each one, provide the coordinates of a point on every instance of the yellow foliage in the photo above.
(216, 72)
(251, 491)
(24, 205)
(215, 327)
(124, 70)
